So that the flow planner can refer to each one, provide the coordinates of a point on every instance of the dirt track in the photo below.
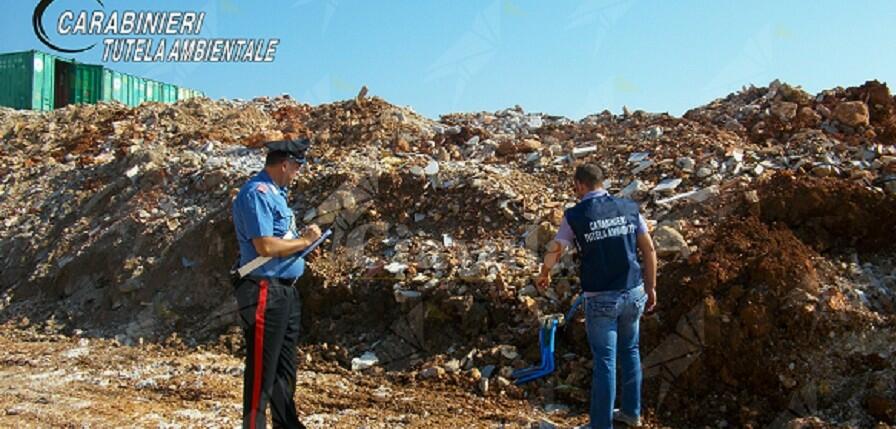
(59, 381)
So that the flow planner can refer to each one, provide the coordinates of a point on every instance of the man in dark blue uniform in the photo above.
(269, 304)
(608, 232)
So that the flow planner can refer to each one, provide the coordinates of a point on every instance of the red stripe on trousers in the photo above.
(259, 348)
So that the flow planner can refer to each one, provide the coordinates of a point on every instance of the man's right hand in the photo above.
(311, 233)
(651, 301)
(543, 280)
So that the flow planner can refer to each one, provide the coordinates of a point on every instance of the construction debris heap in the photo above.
(773, 212)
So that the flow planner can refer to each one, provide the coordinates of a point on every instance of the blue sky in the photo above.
(570, 58)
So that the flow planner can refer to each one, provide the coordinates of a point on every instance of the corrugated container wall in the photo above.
(140, 90)
(39, 81)
(87, 87)
(170, 92)
(133, 88)
(154, 91)
(113, 86)
(26, 80)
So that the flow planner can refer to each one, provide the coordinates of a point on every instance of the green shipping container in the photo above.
(120, 83)
(130, 87)
(112, 86)
(40, 81)
(26, 80)
(170, 93)
(139, 90)
(187, 93)
(148, 90)
(153, 90)
(107, 85)
(87, 83)
(159, 92)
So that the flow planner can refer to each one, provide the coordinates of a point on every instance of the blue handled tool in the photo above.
(316, 243)
(546, 337)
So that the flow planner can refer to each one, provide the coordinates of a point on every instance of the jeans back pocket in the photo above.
(604, 305)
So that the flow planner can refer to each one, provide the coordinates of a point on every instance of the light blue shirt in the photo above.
(260, 210)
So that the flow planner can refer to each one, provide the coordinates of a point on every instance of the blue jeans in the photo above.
(612, 321)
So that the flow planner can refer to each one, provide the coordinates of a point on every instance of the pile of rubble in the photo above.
(768, 202)
(763, 316)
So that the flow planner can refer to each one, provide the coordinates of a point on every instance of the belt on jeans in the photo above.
(593, 293)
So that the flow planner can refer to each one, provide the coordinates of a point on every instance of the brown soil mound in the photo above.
(739, 316)
(827, 213)
(748, 301)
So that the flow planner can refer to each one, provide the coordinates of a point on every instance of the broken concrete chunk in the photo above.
(666, 185)
(396, 267)
(654, 132)
(634, 189)
(366, 360)
(404, 295)
(670, 242)
(582, 151)
(643, 165)
(637, 157)
(685, 163)
(432, 168)
(432, 372)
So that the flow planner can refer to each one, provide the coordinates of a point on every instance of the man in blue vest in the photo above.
(269, 304)
(608, 232)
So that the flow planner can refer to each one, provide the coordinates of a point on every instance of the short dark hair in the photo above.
(275, 157)
(589, 175)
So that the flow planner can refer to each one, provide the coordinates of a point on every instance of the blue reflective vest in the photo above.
(606, 237)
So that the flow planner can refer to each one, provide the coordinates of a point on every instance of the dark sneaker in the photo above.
(619, 416)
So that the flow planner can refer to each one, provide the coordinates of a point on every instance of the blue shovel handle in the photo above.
(316, 243)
